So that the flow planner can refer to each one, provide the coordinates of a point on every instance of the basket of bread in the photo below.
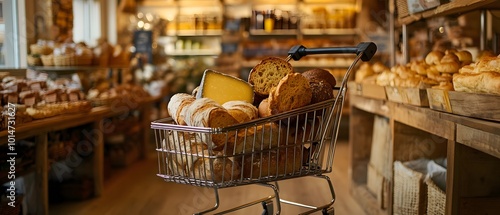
(275, 125)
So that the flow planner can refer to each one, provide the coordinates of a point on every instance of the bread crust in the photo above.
(318, 74)
(321, 91)
(275, 162)
(242, 111)
(293, 91)
(177, 107)
(267, 74)
(484, 82)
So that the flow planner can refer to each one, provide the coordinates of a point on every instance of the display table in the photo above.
(472, 149)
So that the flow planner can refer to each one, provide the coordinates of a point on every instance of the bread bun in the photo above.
(320, 74)
(444, 86)
(264, 110)
(321, 91)
(177, 107)
(242, 111)
(267, 74)
(451, 67)
(464, 56)
(293, 91)
(434, 57)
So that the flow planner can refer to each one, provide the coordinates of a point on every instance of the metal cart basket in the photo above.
(293, 144)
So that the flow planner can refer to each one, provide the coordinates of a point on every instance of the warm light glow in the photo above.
(140, 24)
(441, 30)
(147, 26)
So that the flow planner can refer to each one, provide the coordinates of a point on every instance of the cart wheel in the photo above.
(268, 207)
(328, 211)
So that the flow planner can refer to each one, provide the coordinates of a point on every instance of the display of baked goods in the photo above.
(482, 76)
(281, 90)
(126, 95)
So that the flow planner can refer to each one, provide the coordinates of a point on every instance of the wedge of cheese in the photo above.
(223, 88)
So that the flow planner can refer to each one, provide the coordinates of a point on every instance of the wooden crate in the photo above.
(482, 106)
(411, 96)
(378, 185)
(439, 100)
(354, 88)
(373, 91)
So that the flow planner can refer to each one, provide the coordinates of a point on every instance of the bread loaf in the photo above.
(267, 74)
(206, 112)
(177, 107)
(259, 137)
(242, 111)
(321, 75)
(278, 162)
(188, 156)
(484, 82)
(321, 91)
(293, 91)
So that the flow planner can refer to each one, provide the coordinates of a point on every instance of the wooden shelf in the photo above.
(471, 146)
(453, 7)
(195, 33)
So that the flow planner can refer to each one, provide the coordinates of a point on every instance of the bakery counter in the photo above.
(382, 132)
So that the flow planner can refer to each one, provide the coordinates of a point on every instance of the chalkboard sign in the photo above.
(143, 42)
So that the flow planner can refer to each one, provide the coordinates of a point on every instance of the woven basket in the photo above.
(436, 198)
(64, 60)
(47, 60)
(402, 7)
(34, 61)
(409, 191)
(42, 50)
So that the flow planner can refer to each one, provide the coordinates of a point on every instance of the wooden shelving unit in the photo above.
(472, 150)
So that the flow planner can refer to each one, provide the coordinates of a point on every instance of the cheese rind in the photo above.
(223, 88)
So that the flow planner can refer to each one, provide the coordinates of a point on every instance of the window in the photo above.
(86, 21)
(11, 36)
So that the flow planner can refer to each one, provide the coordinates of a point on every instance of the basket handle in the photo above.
(367, 49)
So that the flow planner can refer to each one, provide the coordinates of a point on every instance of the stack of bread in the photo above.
(123, 95)
(39, 100)
(222, 100)
(482, 76)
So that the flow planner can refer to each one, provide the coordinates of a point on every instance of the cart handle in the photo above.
(367, 49)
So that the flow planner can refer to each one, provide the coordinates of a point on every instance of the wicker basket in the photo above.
(34, 60)
(64, 60)
(409, 190)
(47, 60)
(436, 198)
(40, 49)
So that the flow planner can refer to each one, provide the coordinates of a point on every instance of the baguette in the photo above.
(177, 107)
(242, 111)
(206, 112)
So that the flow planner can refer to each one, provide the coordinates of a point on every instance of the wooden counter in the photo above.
(472, 149)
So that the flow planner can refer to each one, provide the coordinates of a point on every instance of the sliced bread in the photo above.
(293, 91)
(268, 73)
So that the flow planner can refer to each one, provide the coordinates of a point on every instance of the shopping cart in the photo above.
(293, 144)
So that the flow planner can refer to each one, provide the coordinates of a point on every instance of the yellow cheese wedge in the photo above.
(223, 88)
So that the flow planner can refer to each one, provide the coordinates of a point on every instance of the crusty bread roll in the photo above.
(177, 107)
(321, 91)
(293, 91)
(276, 162)
(484, 82)
(264, 136)
(434, 57)
(267, 74)
(264, 110)
(321, 74)
(242, 111)
(464, 56)
(205, 112)
(444, 86)
(188, 156)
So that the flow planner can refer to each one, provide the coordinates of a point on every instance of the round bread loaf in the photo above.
(465, 57)
(293, 91)
(321, 91)
(320, 74)
(267, 74)
(242, 111)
